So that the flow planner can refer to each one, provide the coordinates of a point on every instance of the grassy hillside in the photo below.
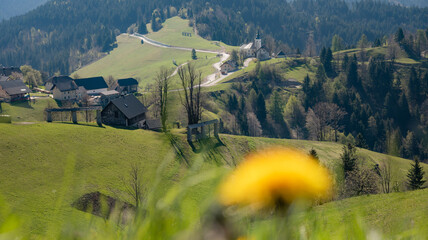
(28, 111)
(133, 59)
(171, 34)
(45, 167)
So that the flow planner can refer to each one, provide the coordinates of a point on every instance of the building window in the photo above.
(116, 114)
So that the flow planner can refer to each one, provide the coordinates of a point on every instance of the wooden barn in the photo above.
(13, 90)
(127, 86)
(124, 111)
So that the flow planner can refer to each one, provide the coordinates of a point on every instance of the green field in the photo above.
(28, 111)
(45, 167)
(142, 61)
(171, 34)
(133, 59)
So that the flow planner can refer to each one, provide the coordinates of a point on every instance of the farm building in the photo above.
(107, 96)
(93, 86)
(124, 111)
(65, 89)
(255, 49)
(7, 71)
(281, 54)
(13, 90)
(127, 86)
(152, 124)
(228, 66)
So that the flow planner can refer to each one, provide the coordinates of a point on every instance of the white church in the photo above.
(255, 49)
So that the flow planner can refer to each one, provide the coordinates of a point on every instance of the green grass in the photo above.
(395, 214)
(133, 59)
(171, 34)
(5, 119)
(28, 111)
(45, 167)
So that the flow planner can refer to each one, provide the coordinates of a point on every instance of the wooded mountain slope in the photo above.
(65, 34)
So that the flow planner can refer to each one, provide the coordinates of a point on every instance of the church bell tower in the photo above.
(258, 41)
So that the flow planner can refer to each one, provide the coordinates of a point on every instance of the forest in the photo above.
(372, 102)
(63, 35)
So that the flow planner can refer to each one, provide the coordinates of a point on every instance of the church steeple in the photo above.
(258, 34)
(258, 41)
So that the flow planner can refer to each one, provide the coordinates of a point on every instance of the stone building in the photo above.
(255, 49)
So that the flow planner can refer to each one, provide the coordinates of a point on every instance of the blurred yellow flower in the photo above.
(275, 176)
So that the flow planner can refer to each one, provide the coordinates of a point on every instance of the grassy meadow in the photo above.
(133, 59)
(46, 167)
(28, 111)
(142, 61)
(171, 34)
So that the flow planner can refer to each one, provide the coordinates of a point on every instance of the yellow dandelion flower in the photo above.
(273, 176)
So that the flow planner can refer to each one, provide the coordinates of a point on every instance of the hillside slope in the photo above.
(46, 167)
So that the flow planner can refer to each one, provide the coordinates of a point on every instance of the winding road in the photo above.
(210, 80)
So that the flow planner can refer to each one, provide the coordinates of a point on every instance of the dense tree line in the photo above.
(379, 105)
(62, 35)
(292, 23)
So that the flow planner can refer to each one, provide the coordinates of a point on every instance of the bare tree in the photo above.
(384, 172)
(361, 182)
(162, 84)
(191, 83)
(111, 82)
(310, 46)
(254, 126)
(313, 125)
(134, 184)
(329, 115)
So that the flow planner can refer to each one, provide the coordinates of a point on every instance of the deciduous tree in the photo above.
(162, 84)
(191, 96)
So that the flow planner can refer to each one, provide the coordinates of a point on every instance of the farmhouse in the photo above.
(13, 90)
(107, 96)
(255, 49)
(65, 89)
(7, 71)
(124, 111)
(127, 85)
(281, 54)
(93, 86)
(228, 66)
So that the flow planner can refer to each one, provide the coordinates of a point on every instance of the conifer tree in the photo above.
(142, 28)
(415, 175)
(194, 57)
(349, 159)
(261, 108)
(314, 154)
(276, 110)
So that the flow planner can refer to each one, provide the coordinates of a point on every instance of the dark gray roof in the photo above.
(281, 53)
(91, 83)
(127, 82)
(14, 87)
(55, 79)
(153, 123)
(7, 71)
(63, 84)
(129, 105)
